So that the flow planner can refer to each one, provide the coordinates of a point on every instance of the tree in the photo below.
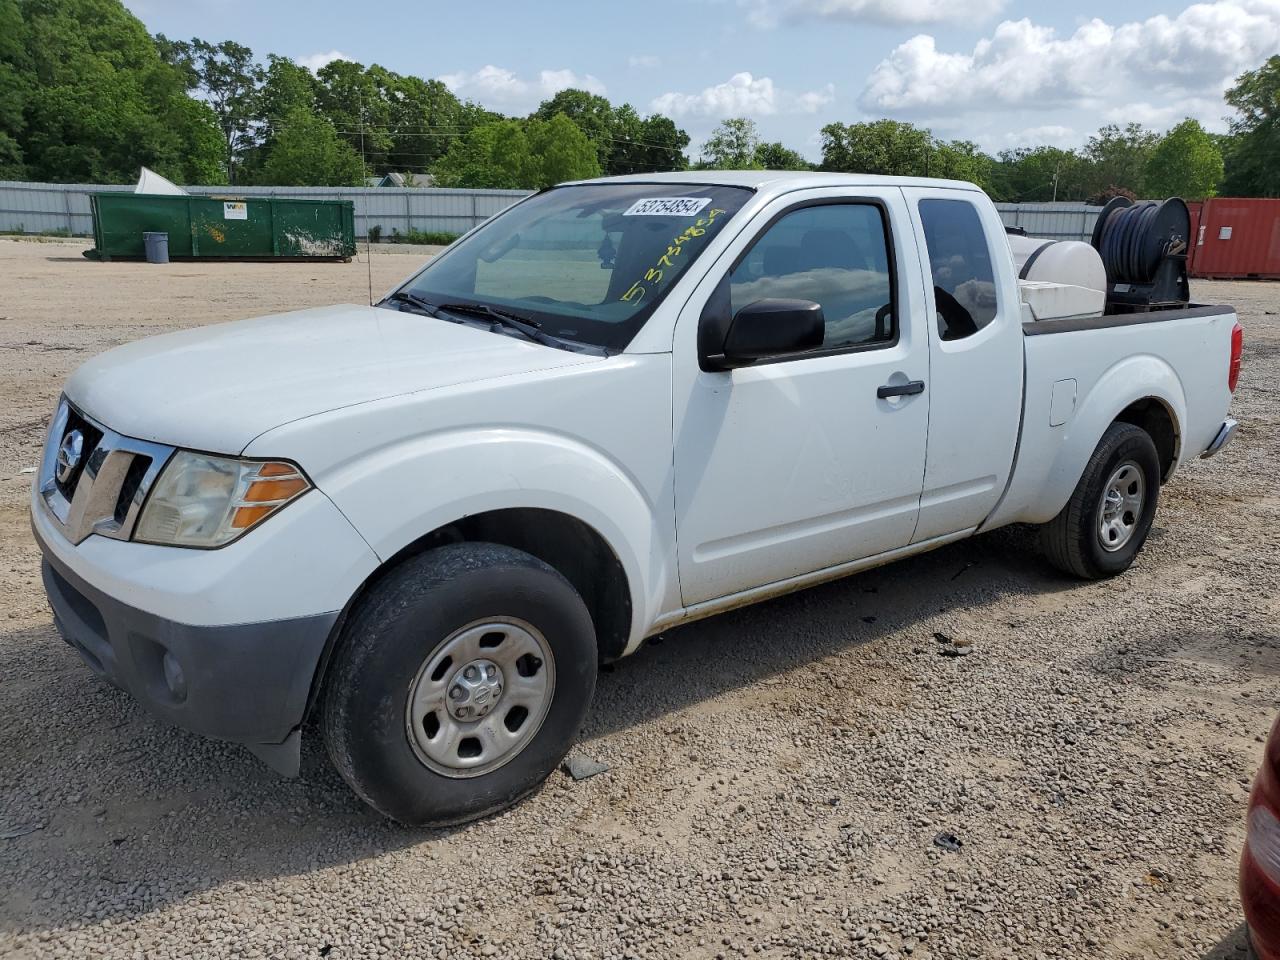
(1118, 157)
(286, 87)
(349, 97)
(732, 146)
(1185, 163)
(624, 141)
(1250, 159)
(645, 144)
(561, 151)
(494, 156)
(14, 71)
(1038, 174)
(228, 77)
(890, 147)
(1103, 197)
(589, 112)
(308, 152)
(959, 160)
(98, 101)
(774, 156)
(424, 118)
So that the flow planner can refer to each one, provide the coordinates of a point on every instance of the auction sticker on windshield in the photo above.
(667, 207)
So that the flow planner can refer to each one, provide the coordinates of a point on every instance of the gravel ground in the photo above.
(778, 775)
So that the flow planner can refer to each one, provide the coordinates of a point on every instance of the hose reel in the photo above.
(1144, 249)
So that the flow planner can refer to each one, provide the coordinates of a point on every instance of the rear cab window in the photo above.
(964, 284)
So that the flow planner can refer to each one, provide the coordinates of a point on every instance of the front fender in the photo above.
(397, 494)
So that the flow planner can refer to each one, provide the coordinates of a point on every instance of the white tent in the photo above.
(151, 182)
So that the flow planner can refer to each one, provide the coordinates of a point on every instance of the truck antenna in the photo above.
(364, 188)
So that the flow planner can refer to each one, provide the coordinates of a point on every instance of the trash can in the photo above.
(157, 247)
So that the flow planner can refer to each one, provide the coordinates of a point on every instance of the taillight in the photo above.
(1260, 862)
(1237, 351)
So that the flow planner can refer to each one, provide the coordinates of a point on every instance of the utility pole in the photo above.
(1057, 167)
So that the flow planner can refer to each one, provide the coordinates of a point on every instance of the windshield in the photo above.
(585, 263)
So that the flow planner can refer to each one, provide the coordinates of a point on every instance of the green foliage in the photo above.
(589, 112)
(1185, 163)
(1117, 156)
(775, 156)
(560, 151)
(1037, 175)
(1250, 157)
(14, 89)
(514, 155)
(438, 238)
(87, 95)
(959, 160)
(732, 146)
(644, 144)
(889, 147)
(95, 99)
(493, 156)
(308, 152)
(228, 77)
(624, 141)
(897, 148)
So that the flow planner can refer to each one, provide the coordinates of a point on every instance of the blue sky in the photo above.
(1001, 72)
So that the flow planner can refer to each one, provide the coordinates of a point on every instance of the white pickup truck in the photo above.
(618, 406)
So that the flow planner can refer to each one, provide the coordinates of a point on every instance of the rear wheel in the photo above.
(1106, 521)
(461, 682)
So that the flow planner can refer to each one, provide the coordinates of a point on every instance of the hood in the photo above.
(217, 387)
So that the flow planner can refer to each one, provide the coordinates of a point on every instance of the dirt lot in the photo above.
(778, 775)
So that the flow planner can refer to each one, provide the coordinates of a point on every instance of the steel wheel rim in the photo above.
(480, 697)
(1120, 511)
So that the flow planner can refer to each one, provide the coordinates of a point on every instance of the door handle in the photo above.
(908, 389)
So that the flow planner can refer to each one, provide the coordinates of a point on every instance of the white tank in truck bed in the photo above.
(1059, 279)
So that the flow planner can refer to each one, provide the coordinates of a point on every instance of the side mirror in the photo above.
(773, 328)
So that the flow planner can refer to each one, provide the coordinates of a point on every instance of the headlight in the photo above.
(205, 501)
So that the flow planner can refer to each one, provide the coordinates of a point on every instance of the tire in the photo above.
(1075, 540)
(456, 599)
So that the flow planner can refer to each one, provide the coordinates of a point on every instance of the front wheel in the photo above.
(461, 682)
(1106, 521)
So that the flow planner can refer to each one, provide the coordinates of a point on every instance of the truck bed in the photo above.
(1076, 368)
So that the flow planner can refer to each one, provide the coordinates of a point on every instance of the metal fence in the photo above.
(64, 207)
(1053, 221)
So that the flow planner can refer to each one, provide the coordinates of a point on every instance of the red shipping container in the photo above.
(1237, 239)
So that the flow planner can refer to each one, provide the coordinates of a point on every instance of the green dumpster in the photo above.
(223, 228)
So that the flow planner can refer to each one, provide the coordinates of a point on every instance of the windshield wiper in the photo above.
(420, 304)
(500, 318)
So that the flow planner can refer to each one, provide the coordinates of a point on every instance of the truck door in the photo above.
(799, 464)
(976, 357)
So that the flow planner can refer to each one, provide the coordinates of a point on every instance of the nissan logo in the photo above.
(69, 453)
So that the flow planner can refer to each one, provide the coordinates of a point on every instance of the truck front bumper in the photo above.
(161, 623)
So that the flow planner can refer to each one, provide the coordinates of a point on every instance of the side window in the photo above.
(837, 255)
(964, 284)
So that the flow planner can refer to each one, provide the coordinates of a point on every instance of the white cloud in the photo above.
(645, 61)
(1045, 135)
(768, 13)
(1021, 64)
(815, 100)
(316, 61)
(1210, 111)
(741, 95)
(502, 87)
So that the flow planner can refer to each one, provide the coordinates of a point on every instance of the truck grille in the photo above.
(92, 479)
